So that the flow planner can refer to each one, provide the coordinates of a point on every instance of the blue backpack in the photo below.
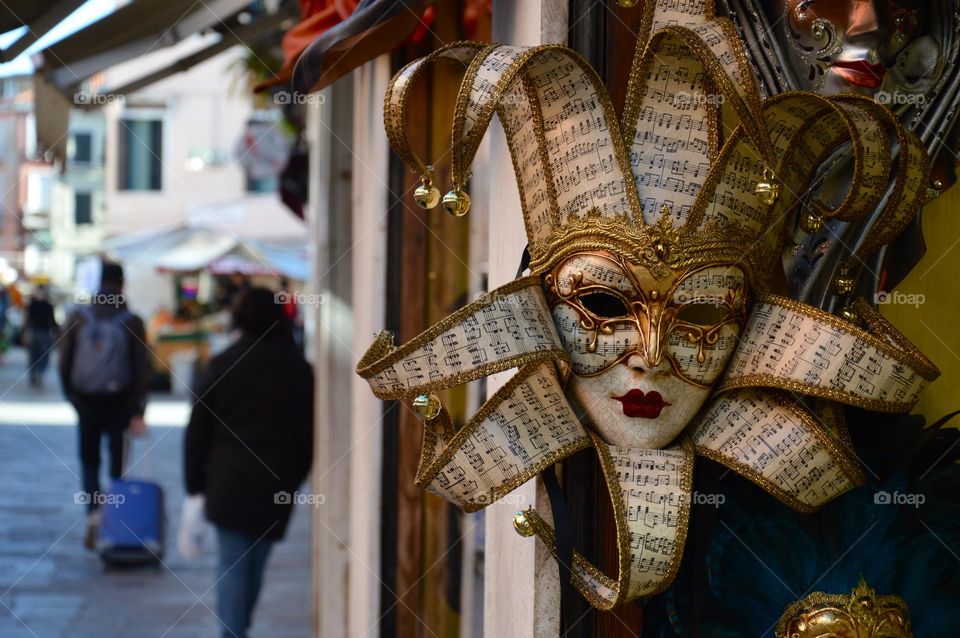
(101, 354)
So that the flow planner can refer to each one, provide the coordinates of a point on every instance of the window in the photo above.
(82, 147)
(141, 153)
(82, 208)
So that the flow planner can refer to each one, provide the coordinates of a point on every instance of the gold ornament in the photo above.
(627, 4)
(456, 202)
(811, 222)
(427, 195)
(522, 525)
(427, 406)
(844, 285)
(768, 190)
(851, 314)
(860, 613)
(934, 190)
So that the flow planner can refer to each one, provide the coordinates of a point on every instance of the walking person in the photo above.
(248, 447)
(104, 371)
(39, 330)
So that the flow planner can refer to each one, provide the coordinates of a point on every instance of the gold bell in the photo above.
(521, 524)
(427, 195)
(850, 314)
(844, 285)
(626, 4)
(456, 202)
(427, 406)
(811, 222)
(768, 190)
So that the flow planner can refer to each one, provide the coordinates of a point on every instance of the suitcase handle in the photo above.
(147, 456)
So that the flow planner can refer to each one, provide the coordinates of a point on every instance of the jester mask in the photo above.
(649, 329)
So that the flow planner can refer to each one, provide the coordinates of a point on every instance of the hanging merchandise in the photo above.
(654, 324)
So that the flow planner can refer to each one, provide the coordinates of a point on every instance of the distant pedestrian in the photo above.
(248, 448)
(104, 371)
(39, 331)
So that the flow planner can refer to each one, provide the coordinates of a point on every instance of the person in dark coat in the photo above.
(248, 447)
(39, 328)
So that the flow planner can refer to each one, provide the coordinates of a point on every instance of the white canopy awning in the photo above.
(186, 250)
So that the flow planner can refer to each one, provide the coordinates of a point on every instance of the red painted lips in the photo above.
(646, 406)
(861, 73)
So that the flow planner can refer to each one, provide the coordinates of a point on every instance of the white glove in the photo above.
(193, 528)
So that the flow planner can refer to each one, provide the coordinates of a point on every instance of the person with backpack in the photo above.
(247, 449)
(104, 371)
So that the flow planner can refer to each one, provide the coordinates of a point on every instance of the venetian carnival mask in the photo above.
(851, 45)
(645, 349)
(647, 330)
(859, 614)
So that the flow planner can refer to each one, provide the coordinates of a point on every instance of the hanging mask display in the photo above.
(901, 53)
(649, 328)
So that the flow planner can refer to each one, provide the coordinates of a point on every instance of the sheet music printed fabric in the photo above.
(657, 190)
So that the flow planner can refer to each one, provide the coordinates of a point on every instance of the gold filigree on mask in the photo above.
(859, 614)
(608, 309)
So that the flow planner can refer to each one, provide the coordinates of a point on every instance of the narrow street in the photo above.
(51, 587)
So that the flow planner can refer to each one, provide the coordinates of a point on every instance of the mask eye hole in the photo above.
(603, 305)
(702, 314)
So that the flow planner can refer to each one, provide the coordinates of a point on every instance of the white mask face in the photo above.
(645, 351)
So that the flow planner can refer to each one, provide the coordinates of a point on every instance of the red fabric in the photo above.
(472, 13)
(316, 17)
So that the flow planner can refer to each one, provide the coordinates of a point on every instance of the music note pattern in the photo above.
(772, 442)
(801, 349)
(655, 488)
(679, 110)
(504, 328)
(558, 133)
(514, 438)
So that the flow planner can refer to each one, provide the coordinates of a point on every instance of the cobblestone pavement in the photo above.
(50, 587)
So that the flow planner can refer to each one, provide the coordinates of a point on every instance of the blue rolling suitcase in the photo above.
(132, 524)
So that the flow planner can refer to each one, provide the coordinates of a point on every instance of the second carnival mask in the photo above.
(649, 329)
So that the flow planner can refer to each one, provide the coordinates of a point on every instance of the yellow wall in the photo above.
(934, 325)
